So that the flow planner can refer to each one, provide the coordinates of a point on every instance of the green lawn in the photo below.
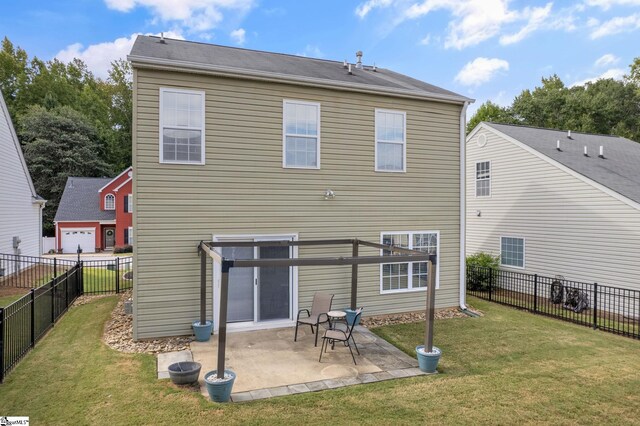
(7, 300)
(508, 367)
(103, 280)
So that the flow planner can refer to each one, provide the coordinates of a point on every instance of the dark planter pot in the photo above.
(351, 314)
(220, 391)
(184, 373)
(202, 331)
(428, 362)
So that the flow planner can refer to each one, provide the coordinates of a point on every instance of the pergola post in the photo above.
(203, 287)
(431, 304)
(354, 277)
(222, 327)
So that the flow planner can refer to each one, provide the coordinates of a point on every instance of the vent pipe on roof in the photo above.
(162, 38)
(558, 145)
(350, 72)
(374, 67)
(359, 62)
(601, 155)
(569, 134)
(70, 183)
(344, 64)
(586, 154)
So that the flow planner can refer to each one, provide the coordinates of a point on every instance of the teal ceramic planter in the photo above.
(202, 331)
(351, 314)
(219, 391)
(428, 362)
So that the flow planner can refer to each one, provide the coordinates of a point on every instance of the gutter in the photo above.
(224, 71)
(463, 206)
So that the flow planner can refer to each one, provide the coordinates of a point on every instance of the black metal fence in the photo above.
(612, 309)
(24, 322)
(54, 285)
(101, 276)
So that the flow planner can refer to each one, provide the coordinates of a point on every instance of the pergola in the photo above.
(399, 254)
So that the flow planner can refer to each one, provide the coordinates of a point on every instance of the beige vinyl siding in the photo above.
(243, 189)
(19, 216)
(571, 228)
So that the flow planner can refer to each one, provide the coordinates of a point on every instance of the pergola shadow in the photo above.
(399, 254)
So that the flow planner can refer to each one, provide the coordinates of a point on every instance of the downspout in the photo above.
(463, 206)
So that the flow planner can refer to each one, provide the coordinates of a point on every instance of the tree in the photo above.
(489, 111)
(59, 143)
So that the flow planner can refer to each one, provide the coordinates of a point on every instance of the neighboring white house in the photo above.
(20, 206)
(555, 202)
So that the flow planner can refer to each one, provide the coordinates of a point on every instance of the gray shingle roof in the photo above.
(619, 170)
(81, 200)
(245, 61)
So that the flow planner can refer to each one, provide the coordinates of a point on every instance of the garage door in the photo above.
(71, 238)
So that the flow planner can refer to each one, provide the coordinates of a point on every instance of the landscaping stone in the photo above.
(381, 320)
(118, 333)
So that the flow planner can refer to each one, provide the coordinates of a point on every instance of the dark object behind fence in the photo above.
(612, 309)
(54, 285)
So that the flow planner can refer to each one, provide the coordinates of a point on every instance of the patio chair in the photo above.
(334, 335)
(318, 315)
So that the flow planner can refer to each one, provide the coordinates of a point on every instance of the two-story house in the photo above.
(236, 144)
(95, 214)
(555, 202)
(20, 206)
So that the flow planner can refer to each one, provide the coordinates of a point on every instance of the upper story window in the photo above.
(109, 202)
(512, 252)
(391, 146)
(181, 126)
(301, 134)
(128, 203)
(395, 277)
(483, 179)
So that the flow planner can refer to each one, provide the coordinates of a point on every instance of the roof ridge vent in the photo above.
(359, 62)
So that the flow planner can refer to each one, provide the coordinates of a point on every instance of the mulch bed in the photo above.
(118, 334)
(391, 319)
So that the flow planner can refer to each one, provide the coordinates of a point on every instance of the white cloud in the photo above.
(426, 40)
(98, 57)
(538, 16)
(193, 15)
(311, 51)
(617, 25)
(606, 60)
(481, 70)
(238, 36)
(614, 73)
(363, 9)
(607, 4)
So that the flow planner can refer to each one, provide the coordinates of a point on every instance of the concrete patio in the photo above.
(269, 363)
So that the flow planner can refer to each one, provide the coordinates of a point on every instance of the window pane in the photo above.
(182, 145)
(390, 126)
(390, 156)
(301, 151)
(301, 119)
(483, 179)
(181, 109)
(512, 252)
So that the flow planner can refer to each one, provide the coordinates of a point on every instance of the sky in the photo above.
(483, 49)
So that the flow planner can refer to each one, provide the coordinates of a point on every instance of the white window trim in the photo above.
(164, 90)
(284, 134)
(129, 203)
(404, 142)
(130, 235)
(475, 171)
(411, 289)
(524, 252)
(114, 202)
